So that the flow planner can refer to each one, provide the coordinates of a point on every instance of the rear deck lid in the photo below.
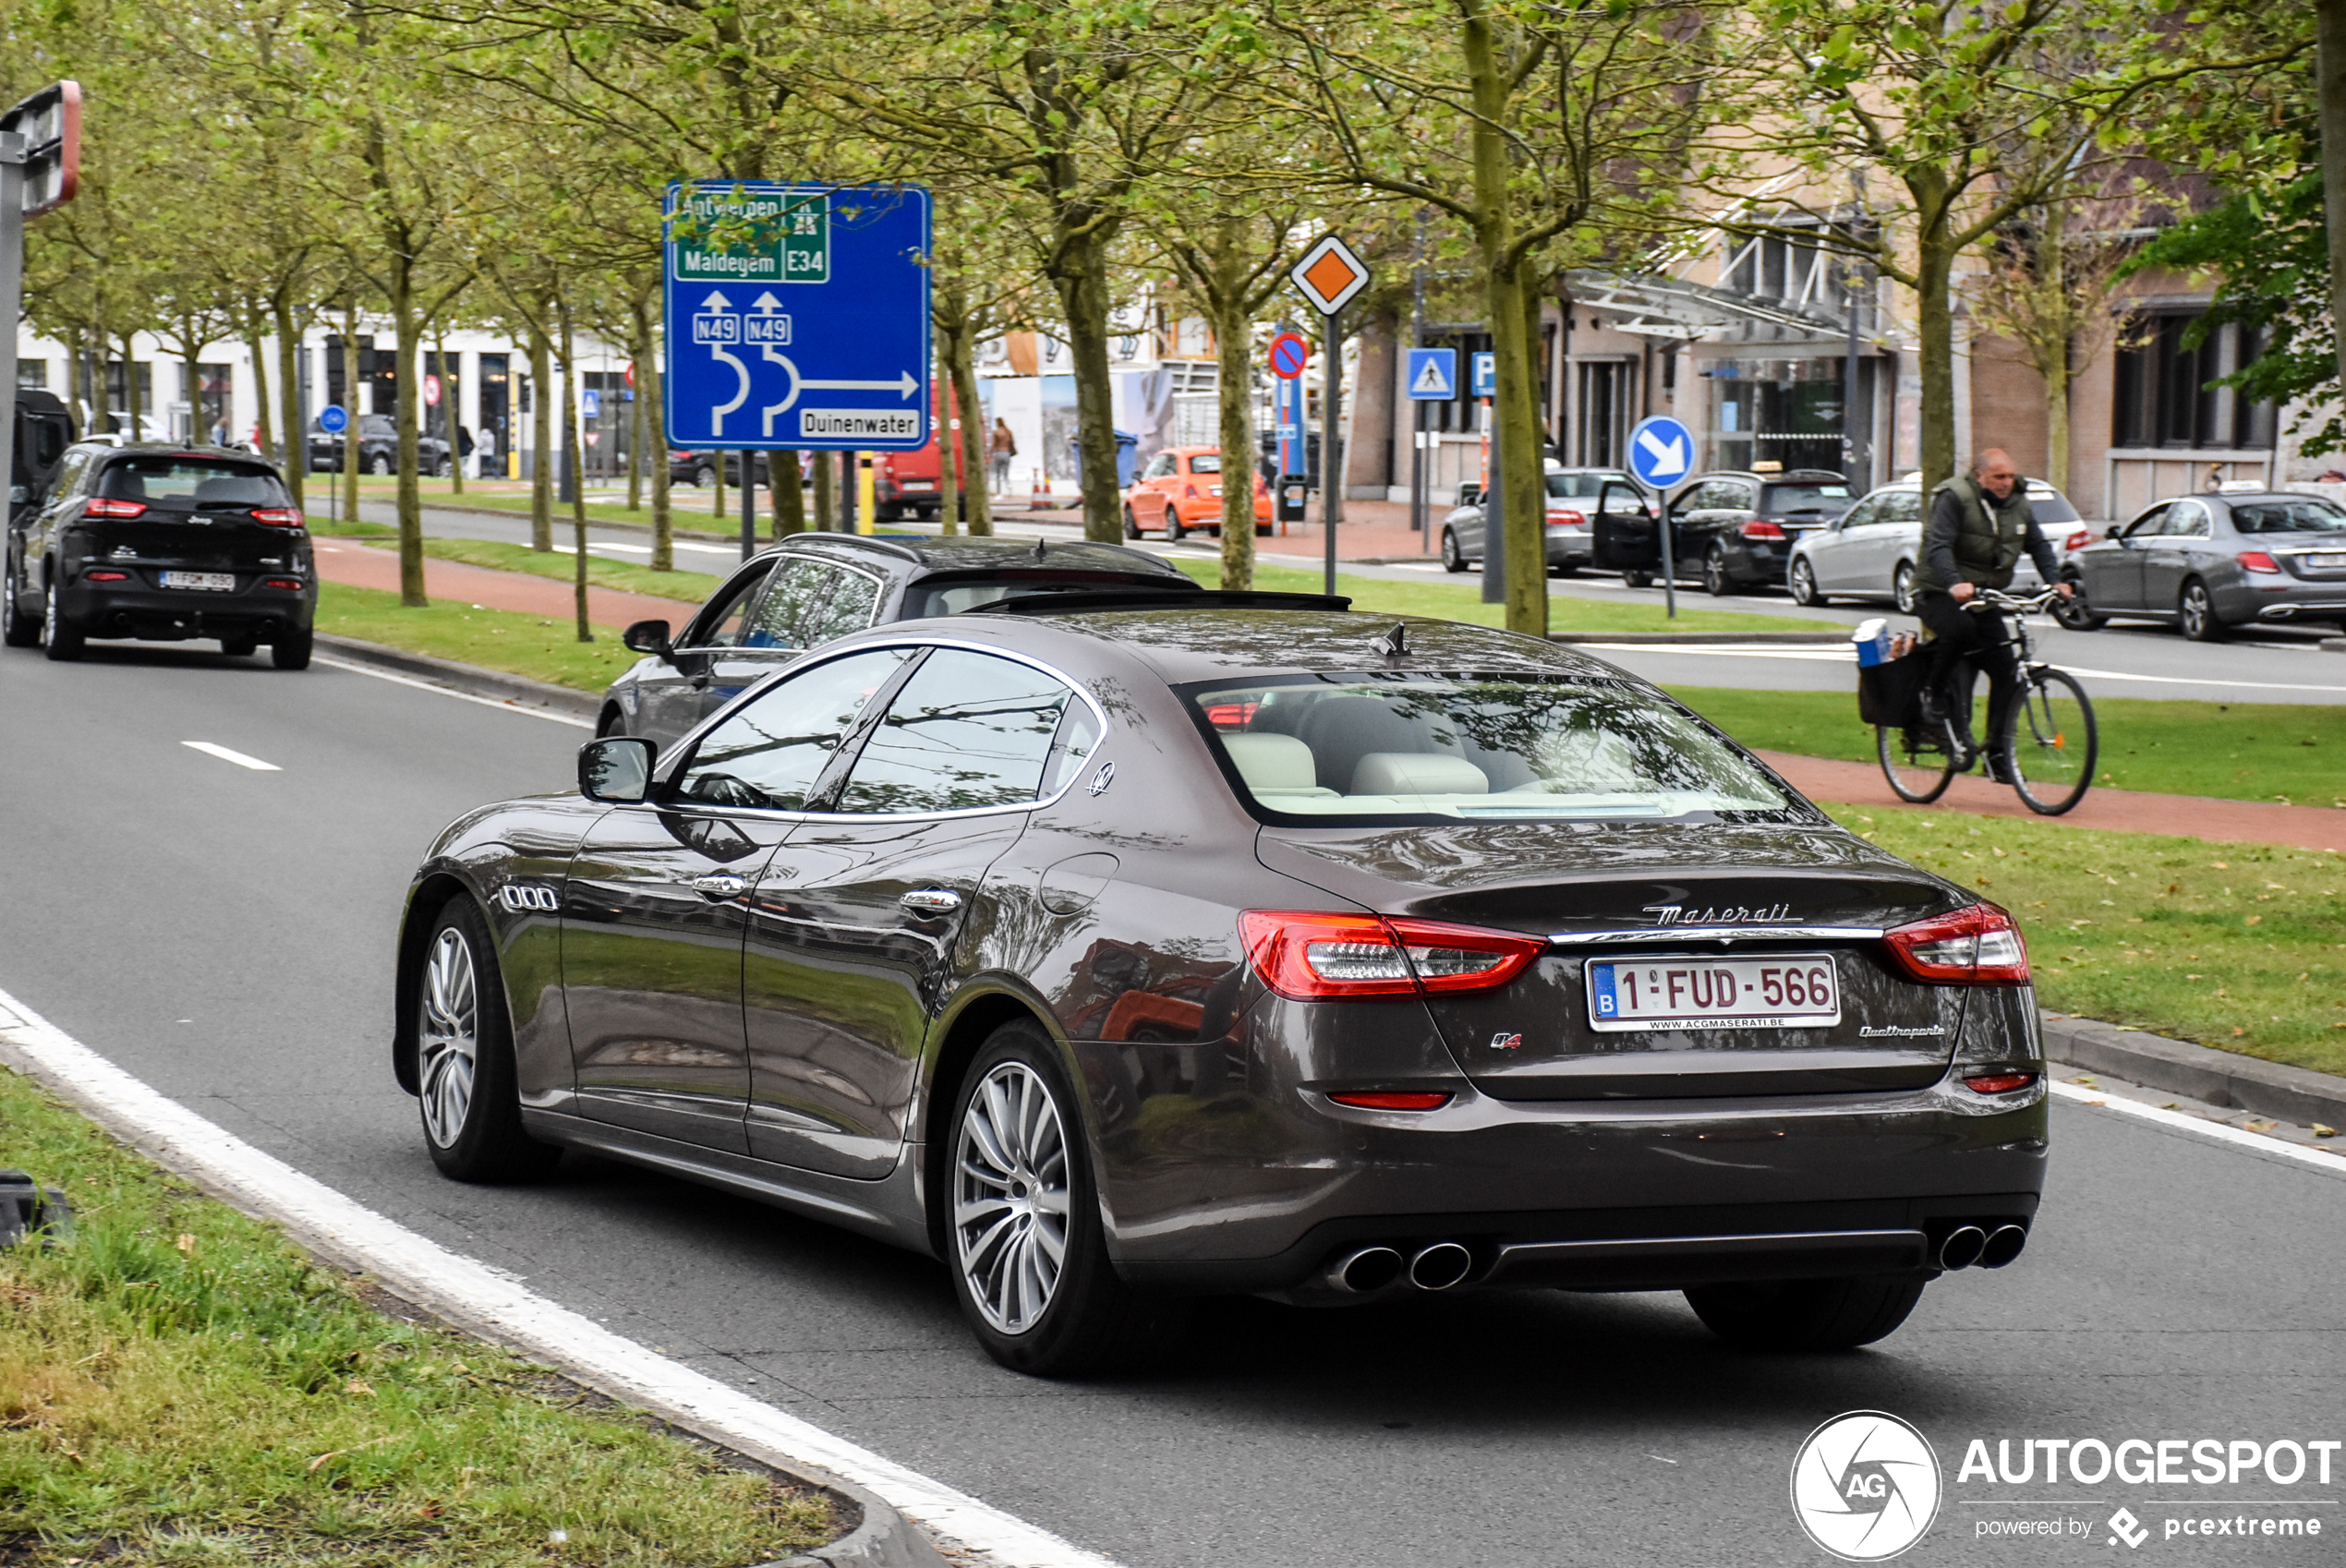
(192, 511)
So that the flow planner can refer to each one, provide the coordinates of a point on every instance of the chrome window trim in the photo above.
(1670, 934)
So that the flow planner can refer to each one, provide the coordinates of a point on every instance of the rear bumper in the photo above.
(176, 614)
(2329, 603)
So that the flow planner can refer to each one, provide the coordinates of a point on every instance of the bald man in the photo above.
(1980, 525)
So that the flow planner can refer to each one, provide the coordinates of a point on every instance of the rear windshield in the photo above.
(960, 598)
(1206, 463)
(1803, 501)
(2045, 506)
(1388, 748)
(190, 484)
(2307, 516)
(1587, 485)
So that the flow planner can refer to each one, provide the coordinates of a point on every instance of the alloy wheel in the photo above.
(1902, 587)
(1011, 1197)
(2198, 614)
(1715, 572)
(448, 1049)
(1804, 583)
(1452, 559)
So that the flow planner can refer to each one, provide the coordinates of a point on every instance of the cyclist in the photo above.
(1979, 523)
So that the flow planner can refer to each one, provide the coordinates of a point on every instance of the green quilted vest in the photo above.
(1988, 544)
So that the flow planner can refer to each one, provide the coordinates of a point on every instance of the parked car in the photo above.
(44, 429)
(812, 587)
(1731, 529)
(162, 543)
(1871, 552)
(1131, 951)
(377, 435)
(1181, 489)
(2208, 563)
(1572, 499)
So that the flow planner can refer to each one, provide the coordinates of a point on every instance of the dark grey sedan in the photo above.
(1123, 947)
(2208, 563)
(1571, 498)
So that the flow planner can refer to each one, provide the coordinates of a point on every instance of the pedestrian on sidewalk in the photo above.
(1979, 523)
(1000, 448)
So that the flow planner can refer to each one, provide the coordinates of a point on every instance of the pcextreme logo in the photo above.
(1865, 1486)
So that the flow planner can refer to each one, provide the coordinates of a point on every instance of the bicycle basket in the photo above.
(1891, 692)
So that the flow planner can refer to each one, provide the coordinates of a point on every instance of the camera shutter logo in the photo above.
(1865, 1486)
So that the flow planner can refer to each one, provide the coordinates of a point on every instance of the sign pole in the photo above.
(749, 506)
(12, 153)
(1331, 457)
(1494, 516)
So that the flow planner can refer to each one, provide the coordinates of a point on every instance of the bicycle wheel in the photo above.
(2053, 741)
(1919, 768)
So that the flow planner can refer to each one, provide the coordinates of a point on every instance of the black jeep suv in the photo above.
(162, 543)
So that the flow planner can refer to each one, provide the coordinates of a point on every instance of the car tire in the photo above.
(291, 650)
(702, 475)
(60, 640)
(2195, 612)
(1019, 1170)
(18, 630)
(1173, 529)
(611, 721)
(1715, 581)
(1902, 587)
(1453, 558)
(1132, 524)
(1803, 583)
(1637, 579)
(2074, 614)
(380, 466)
(1807, 1314)
(468, 1092)
(239, 647)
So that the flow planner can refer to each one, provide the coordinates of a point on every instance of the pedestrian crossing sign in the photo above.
(1433, 374)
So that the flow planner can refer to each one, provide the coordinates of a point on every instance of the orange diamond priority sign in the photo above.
(1329, 275)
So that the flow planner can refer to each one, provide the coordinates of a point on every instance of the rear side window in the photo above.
(768, 756)
(854, 599)
(967, 731)
(1797, 500)
(960, 598)
(189, 484)
(2049, 506)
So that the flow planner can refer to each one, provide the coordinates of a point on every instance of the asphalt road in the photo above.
(2269, 665)
(224, 933)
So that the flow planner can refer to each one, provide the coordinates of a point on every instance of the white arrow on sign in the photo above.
(718, 303)
(1669, 461)
(904, 386)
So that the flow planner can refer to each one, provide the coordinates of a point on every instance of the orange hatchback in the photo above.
(1180, 489)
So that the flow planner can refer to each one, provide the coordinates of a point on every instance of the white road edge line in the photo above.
(356, 668)
(224, 755)
(2223, 1133)
(466, 1291)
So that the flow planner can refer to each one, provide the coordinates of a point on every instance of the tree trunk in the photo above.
(639, 424)
(789, 493)
(1934, 326)
(2054, 283)
(977, 496)
(451, 403)
(296, 421)
(267, 432)
(541, 442)
(949, 447)
(649, 388)
(350, 390)
(408, 332)
(131, 385)
(574, 433)
(2330, 74)
(1081, 281)
(1234, 404)
(826, 492)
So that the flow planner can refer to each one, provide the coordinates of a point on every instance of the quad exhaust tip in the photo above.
(1370, 1269)
(2003, 1245)
(1440, 1266)
(1962, 1246)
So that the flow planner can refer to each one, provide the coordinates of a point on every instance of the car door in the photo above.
(1697, 517)
(1628, 538)
(1895, 535)
(1836, 552)
(658, 897)
(2174, 553)
(671, 696)
(2113, 569)
(851, 938)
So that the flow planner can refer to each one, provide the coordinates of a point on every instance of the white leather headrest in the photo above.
(1272, 762)
(1418, 773)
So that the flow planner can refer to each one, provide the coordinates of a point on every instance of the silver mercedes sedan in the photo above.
(2208, 563)
(1871, 552)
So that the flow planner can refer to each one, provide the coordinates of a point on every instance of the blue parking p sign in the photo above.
(1486, 375)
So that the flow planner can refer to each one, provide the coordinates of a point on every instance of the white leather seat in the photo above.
(1418, 773)
(1275, 764)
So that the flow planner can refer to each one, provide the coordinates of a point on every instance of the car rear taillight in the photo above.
(1979, 946)
(2079, 540)
(1760, 529)
(2257, 560)
(103, 506)
(1562, 518)
(1998, 1082)
(291, 584)
(1311, 957)
(1391, 1099)
(278, 517)
(106, 576)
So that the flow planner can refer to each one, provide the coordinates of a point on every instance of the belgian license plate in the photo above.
(219, 582)
(1782, 991)
(918, 485)
(2326, 561)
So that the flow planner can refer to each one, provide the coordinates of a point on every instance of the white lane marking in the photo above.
(224, 755)
(2193, 680)
(1824, 652)
(447, 692)
(423, 1272)
(2320, 1159)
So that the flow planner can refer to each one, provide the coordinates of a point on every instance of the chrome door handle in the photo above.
(724, 883)
(931, 900)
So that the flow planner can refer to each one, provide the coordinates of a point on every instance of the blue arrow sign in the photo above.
(1486, 375)
(1433, 374)
(333, 418)
(1661, 450)
(797, 316)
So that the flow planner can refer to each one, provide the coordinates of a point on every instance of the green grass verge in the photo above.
(180, 1385)
(691, 587)
(2288, 751)
(516, 643)
(1452, 601)
(2236, 946)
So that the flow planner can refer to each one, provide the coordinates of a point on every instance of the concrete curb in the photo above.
(1801, 639)
(470, 679)
(2220, 1077)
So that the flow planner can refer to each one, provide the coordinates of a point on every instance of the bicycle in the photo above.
(2050, 737)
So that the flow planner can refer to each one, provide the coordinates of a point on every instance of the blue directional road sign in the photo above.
(1433, 374)
(797, 316)
(1486, 375)
(333, 418)
(1661, 450)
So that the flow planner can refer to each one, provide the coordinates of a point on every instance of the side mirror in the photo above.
(617, 768)
(647, 637)
(2112, 531)
(1471, 494)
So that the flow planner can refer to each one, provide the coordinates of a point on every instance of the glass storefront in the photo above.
(1788, 411)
